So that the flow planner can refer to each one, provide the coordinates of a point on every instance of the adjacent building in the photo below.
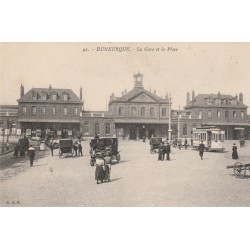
(224, 111)
(9, 118)
(42, 109)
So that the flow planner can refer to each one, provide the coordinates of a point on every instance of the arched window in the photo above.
(184, 129)
(142, 111)
(86, 128)
(164, 112)
(96, 128)
(133, 111)
(107, 129)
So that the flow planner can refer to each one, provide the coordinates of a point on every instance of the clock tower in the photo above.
(138, 80)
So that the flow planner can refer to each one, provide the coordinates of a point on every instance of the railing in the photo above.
(96, 115)
(186, 117)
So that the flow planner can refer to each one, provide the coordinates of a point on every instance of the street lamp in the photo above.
(3, 140)
(143, 131)
(169, 120)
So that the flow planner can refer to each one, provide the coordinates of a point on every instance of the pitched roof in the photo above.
(72, 96)
(135, 92)
(201, 100)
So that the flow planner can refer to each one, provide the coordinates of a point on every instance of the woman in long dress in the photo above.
(235, 153)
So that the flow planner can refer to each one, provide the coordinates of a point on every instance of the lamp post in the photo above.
(3, 140)
(143, 131)
(169, 120)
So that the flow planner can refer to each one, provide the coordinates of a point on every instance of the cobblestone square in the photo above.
(138, 180)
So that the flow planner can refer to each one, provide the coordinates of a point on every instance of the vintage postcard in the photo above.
(124, 124)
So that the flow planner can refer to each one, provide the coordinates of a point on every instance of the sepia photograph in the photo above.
(124, 124)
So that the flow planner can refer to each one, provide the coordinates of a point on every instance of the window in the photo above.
(96, 128)
(86, 128)
(65, 97)
(152, 112)
(33, 110)
(200, 114)
(24, 110)
(34, 96)
(209, 114)
(54, 97)
(209, 101)
(234, 115)
(75, 111)
(242, 114)
(218, 114)
(121, 111)
(65, 111)
(44, 96)
(133, 111)
(184, 129)
(164, 112)
(107, 129)
(53, 110)
(43, 110)
(226, 115)
(142, 111)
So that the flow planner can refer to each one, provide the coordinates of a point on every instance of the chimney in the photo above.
(21, 90)
(236, 97)
(81, 93)
(155, 92)
(50, 88)
(122, 93)
(188, 98)
(193, 95)
(241, 97)
(166, 96)
(125, 91)
(112, 97)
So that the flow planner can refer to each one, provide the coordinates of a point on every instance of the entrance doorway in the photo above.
(132, 133)
(151, 132)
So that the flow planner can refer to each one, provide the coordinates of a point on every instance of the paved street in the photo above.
(138, 180)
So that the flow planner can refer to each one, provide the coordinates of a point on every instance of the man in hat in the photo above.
(201, 149)
(31, 154)
(167, 150)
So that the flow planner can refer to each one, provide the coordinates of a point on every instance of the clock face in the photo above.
(138, 78)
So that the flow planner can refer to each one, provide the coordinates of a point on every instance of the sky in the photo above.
(202, 67)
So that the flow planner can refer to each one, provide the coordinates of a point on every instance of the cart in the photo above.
(65, 147)
(154, 144)
(104, 145)
(240, 169)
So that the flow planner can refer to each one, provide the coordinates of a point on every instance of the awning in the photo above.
(49, 120)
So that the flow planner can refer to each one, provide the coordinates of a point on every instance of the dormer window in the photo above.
(34, 96)
(54, 97)
(65, 97)
(44, 96)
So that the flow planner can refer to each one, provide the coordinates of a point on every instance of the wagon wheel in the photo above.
(239, 170)
(92, 161)
(118, 157)
(60, 153)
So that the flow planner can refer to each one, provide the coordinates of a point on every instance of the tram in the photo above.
(212, 137)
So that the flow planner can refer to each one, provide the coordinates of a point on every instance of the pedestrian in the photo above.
(164, 150)
(51, 146)
(201, 149)
(235, 153)
(160, 152)
(16, 150)
(75, 149)
(179, 144)
(99, 170)
(186, 143)
(31, 154)
(167, 150)
(79, 148)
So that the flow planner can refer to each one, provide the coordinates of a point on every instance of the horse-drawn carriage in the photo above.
(65, 147)
(102, 146)
(154, 144)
